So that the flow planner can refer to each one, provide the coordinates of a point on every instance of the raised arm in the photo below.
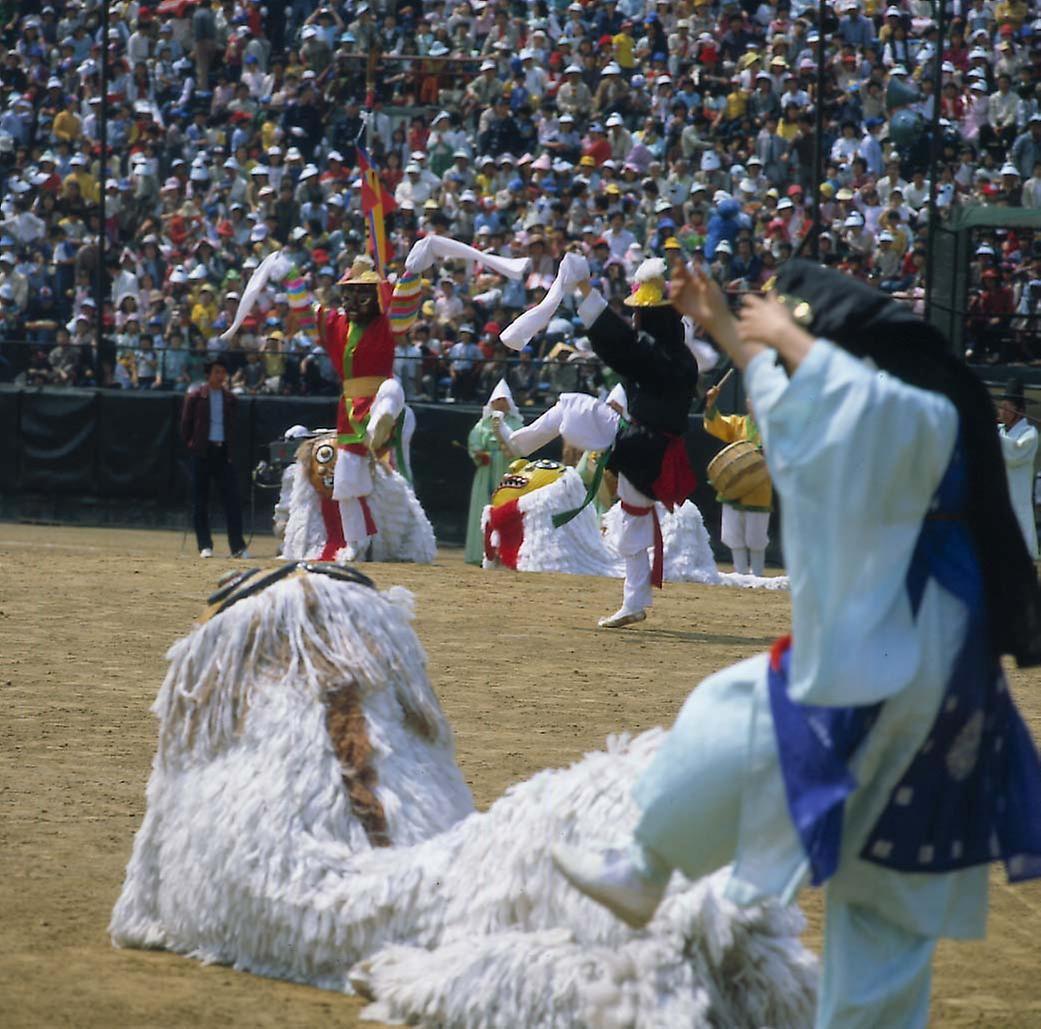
(403, 308)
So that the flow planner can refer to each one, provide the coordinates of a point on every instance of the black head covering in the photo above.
(664, 323)
(869, 324)
(1016, 392)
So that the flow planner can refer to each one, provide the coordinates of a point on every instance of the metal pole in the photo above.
(99, 282)
(818, 137)
(935, 148)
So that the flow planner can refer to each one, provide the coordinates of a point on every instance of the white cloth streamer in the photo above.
(275, 266)
(433, 248)
(574, 268)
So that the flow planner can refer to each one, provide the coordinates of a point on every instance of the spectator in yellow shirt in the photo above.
(88, 185)
(67, 126)
(624, 47)
(205, 311)
(1011, 12)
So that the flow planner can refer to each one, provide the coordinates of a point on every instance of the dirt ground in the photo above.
(528, 682)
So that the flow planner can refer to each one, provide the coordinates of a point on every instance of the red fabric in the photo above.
(658, 562)
(373, 193)
(508, 522)
(777, 651)
(370, 522)
(333, 529)
(374, 355)
(676, 480)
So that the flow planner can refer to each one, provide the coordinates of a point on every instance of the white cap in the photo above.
(1008, 168)
(854, 221)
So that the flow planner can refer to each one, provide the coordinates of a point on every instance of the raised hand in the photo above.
(765, 320)
(694, 294)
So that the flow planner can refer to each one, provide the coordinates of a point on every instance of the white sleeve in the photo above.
(856, 456)
(1021, 449)
(592, 306)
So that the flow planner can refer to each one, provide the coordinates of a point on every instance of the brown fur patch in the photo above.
(345, 721)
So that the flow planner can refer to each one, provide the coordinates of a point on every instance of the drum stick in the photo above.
(726, 378)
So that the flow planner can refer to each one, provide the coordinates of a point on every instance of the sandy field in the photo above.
(528, 682)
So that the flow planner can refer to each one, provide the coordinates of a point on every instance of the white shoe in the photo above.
(611, 879)
(206, 552)
(622, 618)
(243, 553)
(348, 553)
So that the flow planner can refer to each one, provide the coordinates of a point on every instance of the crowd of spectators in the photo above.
(629, 128)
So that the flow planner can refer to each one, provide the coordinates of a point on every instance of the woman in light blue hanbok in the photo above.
(877, 751)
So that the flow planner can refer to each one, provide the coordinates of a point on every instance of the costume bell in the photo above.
(1019, 448)
(745, 525)
(491, 462)
(877, 750)
(659, 375)
(360, 343)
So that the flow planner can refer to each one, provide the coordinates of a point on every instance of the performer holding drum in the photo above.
(741, 478)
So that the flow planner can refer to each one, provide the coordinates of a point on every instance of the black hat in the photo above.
(870, 324)
(1014, 391)
(850, 312)
(216, 362)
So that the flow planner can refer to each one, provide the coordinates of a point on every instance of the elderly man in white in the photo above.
(1019, 447)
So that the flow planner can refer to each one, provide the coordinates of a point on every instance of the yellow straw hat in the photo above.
(650, 285)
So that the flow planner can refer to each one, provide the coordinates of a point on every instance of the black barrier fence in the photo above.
(111, 457)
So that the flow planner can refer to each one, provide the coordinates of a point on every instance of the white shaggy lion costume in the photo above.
(522, 537)
(403, 531)
(306, 820)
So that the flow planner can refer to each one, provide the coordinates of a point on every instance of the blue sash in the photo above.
(972, 793)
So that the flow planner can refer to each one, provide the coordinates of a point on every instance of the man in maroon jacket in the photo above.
(208, 429)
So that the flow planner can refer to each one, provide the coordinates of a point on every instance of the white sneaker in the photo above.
(206, 552)
(610, 878)
(622, 618)
(243, 553)
(348, 553)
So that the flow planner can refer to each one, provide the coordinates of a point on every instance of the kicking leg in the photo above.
(529, 438)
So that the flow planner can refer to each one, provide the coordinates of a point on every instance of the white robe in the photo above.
(856, 457)
(1019, 446)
